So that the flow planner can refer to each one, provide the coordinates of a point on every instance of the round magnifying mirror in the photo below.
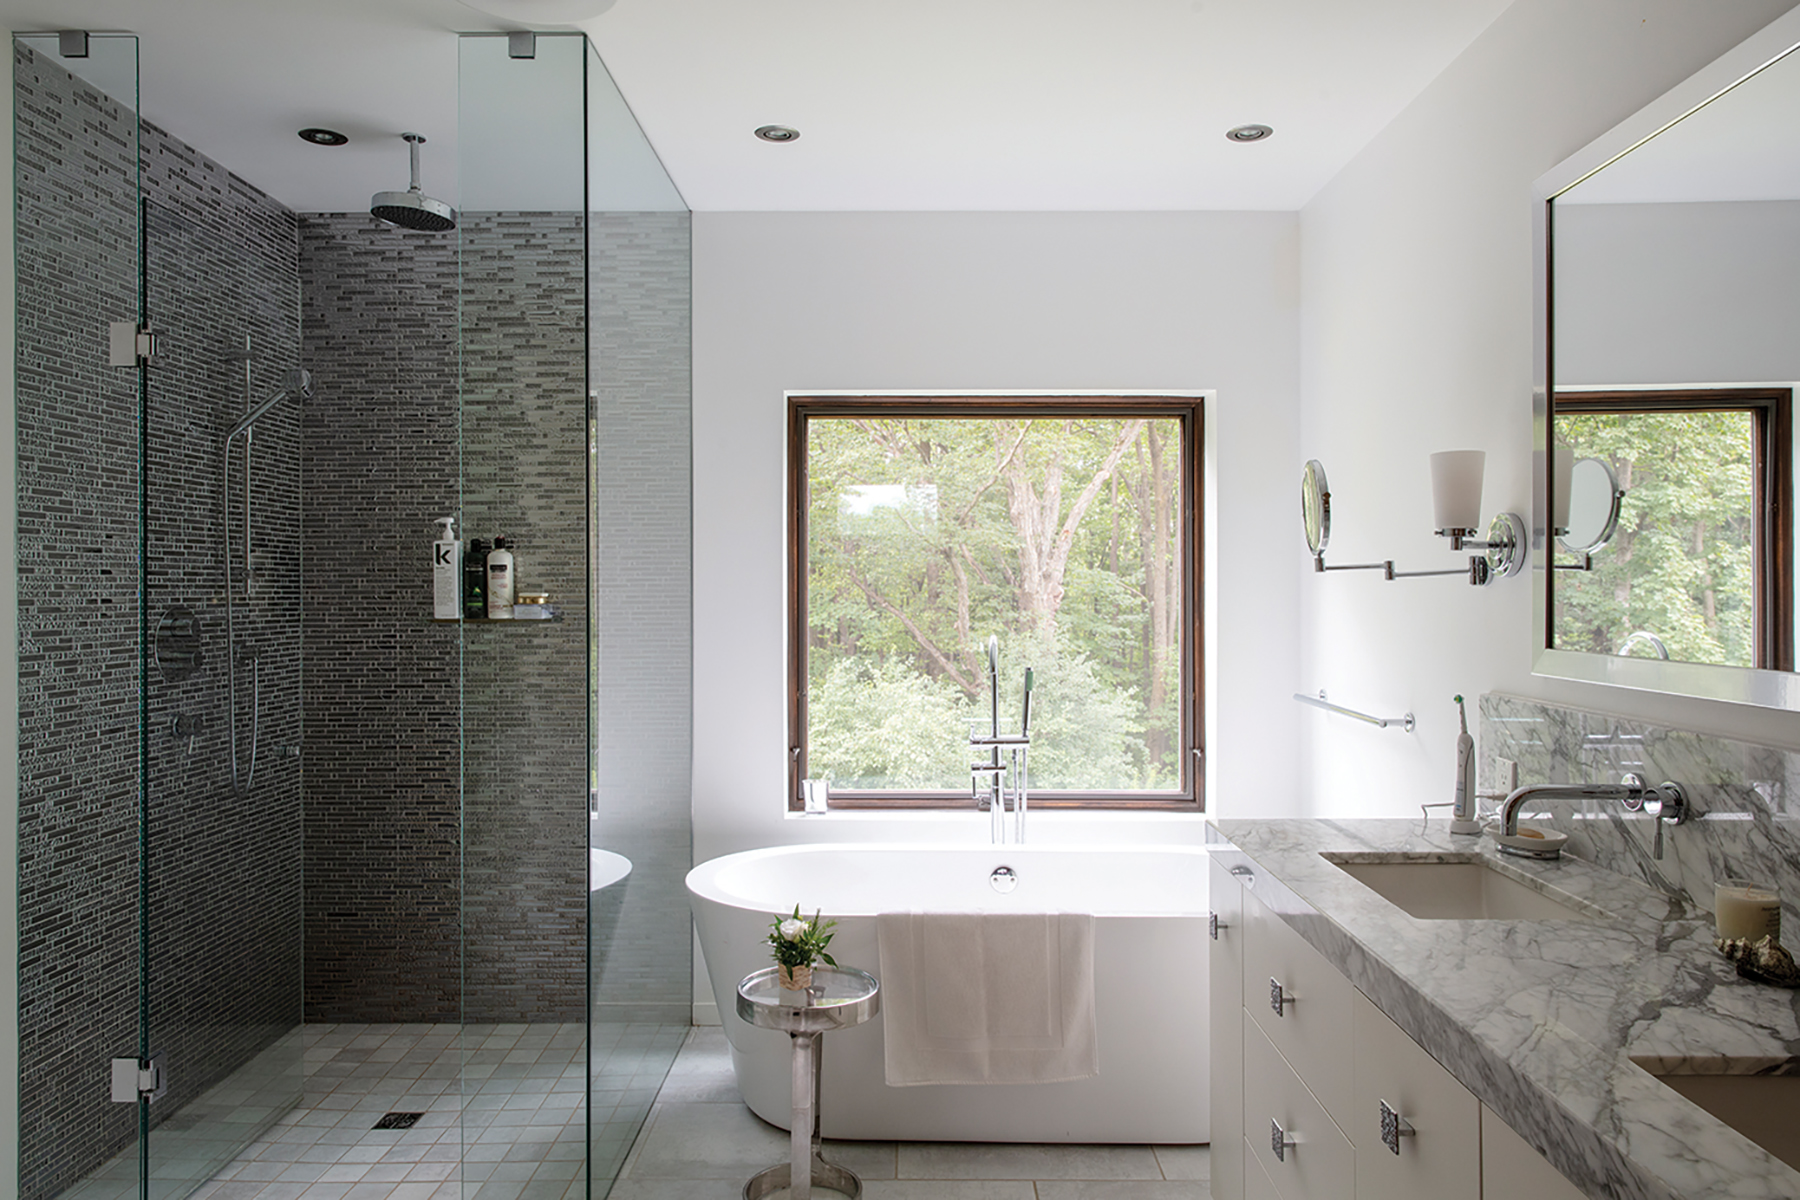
(1594, 498)
(1315, 507)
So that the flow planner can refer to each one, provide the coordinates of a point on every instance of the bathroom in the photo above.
(1369, 322)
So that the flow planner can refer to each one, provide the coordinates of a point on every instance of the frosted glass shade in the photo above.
(1456, 488)
(1562, 468)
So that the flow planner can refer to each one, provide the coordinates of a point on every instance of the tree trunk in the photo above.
(1045, 536)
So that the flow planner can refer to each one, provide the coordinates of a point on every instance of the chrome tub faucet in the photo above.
(988, 780)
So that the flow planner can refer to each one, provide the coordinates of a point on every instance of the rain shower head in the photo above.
(413, 209)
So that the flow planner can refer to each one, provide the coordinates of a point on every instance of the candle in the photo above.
(1746, 910)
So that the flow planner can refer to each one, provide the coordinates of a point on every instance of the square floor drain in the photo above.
(398, 1120)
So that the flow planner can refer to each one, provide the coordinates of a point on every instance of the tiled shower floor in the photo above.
(504, 1113)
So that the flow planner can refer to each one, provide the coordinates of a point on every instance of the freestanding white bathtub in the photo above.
(1150, 985)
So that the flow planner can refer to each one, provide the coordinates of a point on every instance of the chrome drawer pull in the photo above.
(1213, 925)
(1280, 1140)
(1280, 997)
(1394, 1127)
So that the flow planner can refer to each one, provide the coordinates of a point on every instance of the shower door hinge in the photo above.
(130, 344)
(135, 1079)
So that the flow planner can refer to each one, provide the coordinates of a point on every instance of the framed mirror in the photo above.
(1668, 271)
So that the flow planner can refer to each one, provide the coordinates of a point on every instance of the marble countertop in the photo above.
(1547, 1022)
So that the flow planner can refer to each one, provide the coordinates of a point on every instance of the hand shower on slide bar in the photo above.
(299, 384)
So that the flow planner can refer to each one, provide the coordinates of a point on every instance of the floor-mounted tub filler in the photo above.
(1149, 968)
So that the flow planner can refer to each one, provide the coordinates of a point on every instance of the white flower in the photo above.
(792, 929)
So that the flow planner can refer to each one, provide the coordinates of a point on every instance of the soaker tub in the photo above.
(1150, 984)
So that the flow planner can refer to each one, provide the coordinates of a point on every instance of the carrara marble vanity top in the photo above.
(1549, 1023)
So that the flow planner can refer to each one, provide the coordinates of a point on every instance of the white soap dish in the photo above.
(1530, 841)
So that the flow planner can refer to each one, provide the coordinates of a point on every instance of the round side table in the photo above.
(839, 998)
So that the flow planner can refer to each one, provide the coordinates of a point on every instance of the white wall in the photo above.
(833, 301)
(1677, 293)
(1416, 336)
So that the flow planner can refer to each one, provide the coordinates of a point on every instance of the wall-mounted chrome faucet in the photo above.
(1667, 803)
(987, 780)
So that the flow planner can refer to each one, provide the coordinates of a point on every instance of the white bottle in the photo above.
(446, 572)
(1462, 813)
(500, 582)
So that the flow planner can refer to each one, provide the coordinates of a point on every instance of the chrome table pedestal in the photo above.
(839, 998)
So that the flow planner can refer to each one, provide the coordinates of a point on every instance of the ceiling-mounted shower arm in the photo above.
(413, 141)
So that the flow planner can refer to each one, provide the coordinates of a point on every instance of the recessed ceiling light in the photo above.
(777, 133)
(323, 137)
(1248, 133)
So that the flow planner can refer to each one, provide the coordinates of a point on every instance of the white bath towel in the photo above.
(987, 997)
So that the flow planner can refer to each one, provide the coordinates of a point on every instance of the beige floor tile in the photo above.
(705, 1141)
(978, 1160)
(948, 1189)
(1184, 1162)
(1122, 1189)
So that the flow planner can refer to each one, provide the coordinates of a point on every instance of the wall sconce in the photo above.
(1456, 509)
(1456, 514)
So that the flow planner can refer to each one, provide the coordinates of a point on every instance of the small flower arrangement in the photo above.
(798, 943)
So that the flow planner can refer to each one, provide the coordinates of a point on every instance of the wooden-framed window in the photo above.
(1703, 558)
(1067, 526)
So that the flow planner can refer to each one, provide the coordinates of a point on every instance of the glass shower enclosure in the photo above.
(160, 823)
(272, 812)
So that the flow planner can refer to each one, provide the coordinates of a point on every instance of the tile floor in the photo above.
(522, 1128)
(701, 1143)
(503, 1113)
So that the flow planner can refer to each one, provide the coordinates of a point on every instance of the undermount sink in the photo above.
(1761, 1107)
(1432, 889)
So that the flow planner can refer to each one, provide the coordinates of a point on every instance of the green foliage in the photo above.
(1682, 565)
(803, 941)
(927, 536)
(882, 724)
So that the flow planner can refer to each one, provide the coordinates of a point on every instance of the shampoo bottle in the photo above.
(474, 593)
(500, 582)
(446, 572)
(1462, 812)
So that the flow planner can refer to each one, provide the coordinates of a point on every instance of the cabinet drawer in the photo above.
(1440, 1159)
(1256, 1180)
(1320, 1164)
(1313, 1027)
(1512, 1170)
(1226, 963)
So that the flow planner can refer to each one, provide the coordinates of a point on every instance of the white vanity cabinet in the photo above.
(1302, 1003)
(1417, 1131)
(1512, 1170)
(1225, 962)
(1303, 1066)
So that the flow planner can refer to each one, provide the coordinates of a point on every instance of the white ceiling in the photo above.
(1728, 150)
(934, 104)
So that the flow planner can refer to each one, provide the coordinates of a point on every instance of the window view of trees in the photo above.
(1061, 536)
(1682, 565)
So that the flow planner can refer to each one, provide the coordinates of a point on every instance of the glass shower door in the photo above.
(223, 849)
(77, 424)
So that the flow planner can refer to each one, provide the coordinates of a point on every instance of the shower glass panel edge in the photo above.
(523, 683)
(78, 255)
(638, 300)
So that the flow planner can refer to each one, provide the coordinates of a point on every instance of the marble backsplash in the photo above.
(1744, 822)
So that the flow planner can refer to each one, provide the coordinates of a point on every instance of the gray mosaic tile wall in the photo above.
(640, 294)
(525, 692)
(381, 688)
(383, 900)
(1744, 796)
(223, 871)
